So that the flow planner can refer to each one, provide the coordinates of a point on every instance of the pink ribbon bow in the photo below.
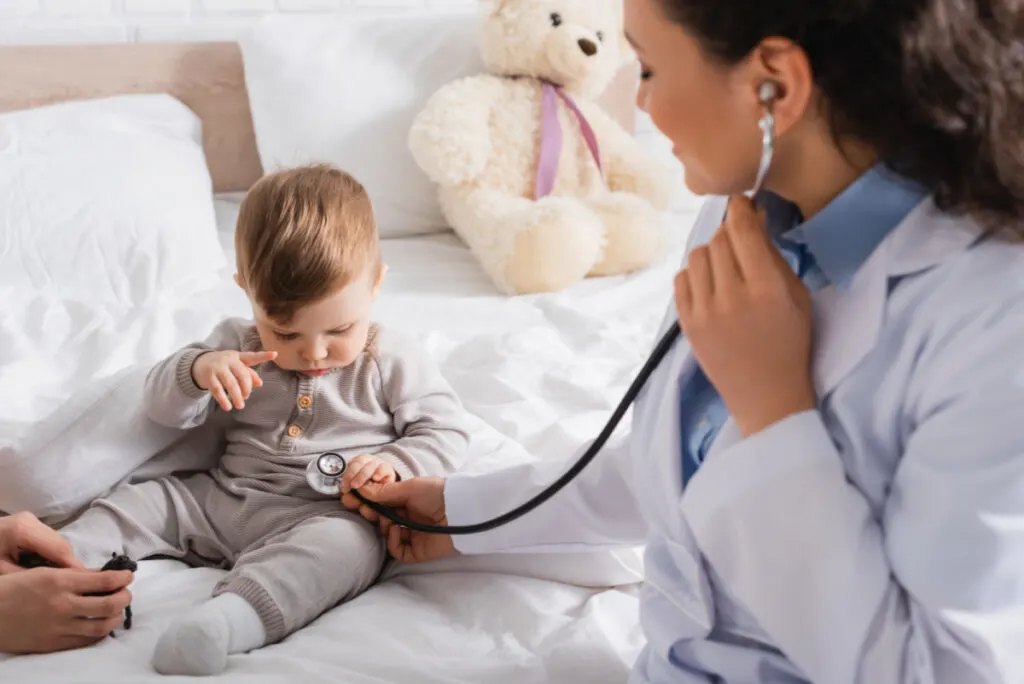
(551, 138)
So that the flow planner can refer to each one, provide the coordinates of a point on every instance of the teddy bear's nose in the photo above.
(588, 46)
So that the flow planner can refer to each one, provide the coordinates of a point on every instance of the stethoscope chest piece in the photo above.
(324, 472)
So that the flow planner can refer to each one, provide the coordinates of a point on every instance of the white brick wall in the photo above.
(108, 21)
(99, 21)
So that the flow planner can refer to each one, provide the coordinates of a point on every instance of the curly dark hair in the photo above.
(936, 87)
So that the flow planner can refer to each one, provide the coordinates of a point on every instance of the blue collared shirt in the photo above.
(826, 250)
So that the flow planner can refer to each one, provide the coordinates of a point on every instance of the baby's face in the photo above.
(325, 335)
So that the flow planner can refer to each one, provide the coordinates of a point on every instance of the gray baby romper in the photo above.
(293, 552)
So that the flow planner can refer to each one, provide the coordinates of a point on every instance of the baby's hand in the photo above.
(228, 374)
(364, 469)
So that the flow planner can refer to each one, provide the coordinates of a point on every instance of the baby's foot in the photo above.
(199, 643)
(195, 645)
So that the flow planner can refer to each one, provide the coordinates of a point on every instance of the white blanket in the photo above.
(542, 373)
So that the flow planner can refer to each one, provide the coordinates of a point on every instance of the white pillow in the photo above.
(346, 91)
(106, 201)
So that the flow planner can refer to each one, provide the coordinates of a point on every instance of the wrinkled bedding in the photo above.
(540, 373)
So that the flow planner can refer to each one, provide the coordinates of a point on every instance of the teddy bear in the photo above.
(542, 184)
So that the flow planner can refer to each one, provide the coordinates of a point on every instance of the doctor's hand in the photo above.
(747, 318)
(420, 499)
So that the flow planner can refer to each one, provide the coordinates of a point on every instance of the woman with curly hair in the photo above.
(828, 468)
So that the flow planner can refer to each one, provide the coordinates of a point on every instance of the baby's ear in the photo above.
(380, 278)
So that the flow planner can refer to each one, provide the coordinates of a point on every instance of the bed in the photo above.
(540, 374)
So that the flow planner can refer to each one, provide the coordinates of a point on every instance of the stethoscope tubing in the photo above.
(653, 361)
(767, 95)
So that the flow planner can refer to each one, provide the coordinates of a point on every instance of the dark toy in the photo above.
(118, 561)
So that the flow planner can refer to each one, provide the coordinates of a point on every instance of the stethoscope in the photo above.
(325, 472)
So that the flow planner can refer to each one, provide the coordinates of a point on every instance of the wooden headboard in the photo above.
(208, 77)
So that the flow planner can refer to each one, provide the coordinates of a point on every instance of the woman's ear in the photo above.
(238, 281)
(783, 63)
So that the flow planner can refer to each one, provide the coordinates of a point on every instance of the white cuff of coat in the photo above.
(794, 443)
(462, 507)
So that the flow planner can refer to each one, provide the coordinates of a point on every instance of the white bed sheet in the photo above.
(545, 371)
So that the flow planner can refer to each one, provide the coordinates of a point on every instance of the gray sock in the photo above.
(199, 643)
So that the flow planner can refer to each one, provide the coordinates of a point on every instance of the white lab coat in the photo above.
(877, 540)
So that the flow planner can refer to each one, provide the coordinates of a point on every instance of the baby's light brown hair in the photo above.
(302, 235)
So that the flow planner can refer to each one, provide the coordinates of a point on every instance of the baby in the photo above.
(312, 374)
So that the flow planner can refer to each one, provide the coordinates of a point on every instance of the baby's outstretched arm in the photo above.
(429, 418)
(172, 396)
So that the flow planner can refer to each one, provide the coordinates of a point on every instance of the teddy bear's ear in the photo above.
(498, 5)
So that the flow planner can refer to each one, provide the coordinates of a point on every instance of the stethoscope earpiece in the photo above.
(767, 94)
